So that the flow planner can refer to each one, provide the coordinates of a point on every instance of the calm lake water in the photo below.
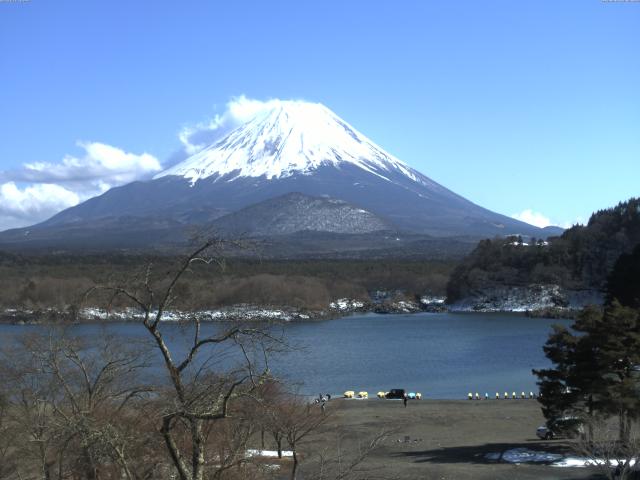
(441, 355)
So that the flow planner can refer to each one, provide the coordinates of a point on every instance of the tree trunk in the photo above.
(176, 458)
(622, 426)
(590, 424)
(124, 465)
(628, 428)
(198, 449)
(90, 471)
(279, 444)
(46, 474)
(294, 469)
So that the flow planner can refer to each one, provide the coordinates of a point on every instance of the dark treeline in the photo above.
(579, 259)
(58, 281)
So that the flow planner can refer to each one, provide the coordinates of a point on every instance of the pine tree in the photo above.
(594, 369)
(556, 395)
(617, 356)
(623, 283)
(574, 385)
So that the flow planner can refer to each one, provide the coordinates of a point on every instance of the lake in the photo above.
(441, 355)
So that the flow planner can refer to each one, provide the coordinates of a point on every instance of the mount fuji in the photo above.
(342, 183)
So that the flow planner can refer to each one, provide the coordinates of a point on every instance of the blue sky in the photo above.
(529, 105)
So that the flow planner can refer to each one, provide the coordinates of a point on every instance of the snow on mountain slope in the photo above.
(293, 137)
(295, 212)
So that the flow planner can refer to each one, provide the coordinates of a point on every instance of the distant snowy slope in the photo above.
(295, 212)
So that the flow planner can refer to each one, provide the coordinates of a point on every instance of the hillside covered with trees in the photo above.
(580, 259)
(58, 281)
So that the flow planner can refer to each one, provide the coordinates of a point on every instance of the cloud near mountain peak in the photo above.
(238, 111)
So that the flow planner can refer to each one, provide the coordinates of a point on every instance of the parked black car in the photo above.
(395, 393)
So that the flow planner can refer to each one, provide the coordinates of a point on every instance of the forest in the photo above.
(59, 281)
(581, 258)
(595, 378)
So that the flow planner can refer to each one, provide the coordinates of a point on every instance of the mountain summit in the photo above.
(292, 138)
(291, 147)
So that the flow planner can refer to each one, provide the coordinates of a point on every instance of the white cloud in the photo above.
(540, 220)
(533, 218)
(19, 206)
(100, 164)
(238, 110)
(577, 221)
(38, 190)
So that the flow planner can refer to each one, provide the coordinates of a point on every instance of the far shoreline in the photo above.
(239, 314)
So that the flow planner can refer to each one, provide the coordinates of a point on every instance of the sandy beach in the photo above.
(446, 439)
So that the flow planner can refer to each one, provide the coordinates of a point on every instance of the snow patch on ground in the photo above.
(346, 304)
(405, 307)
(93, 314)
(268, 453)
(587, 462)
(227, 314)
(429, 300)
(526, 298)
(525, 455)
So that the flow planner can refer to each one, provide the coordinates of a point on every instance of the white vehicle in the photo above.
(560, 427)
(544, 433)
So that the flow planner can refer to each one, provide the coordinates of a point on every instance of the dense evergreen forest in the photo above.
(581, 258)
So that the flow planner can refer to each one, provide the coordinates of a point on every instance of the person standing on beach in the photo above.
(404, 400)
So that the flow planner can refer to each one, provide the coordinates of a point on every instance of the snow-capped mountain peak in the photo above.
(291, 137)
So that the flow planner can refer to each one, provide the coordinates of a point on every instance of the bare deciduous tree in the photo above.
(197, 397)
(7, 433)
(68, 401)
(347, 463)
(615, 458)
(289, 418)
(90, 409)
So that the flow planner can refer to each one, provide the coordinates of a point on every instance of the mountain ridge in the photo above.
(296, 212)
(294, 147)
